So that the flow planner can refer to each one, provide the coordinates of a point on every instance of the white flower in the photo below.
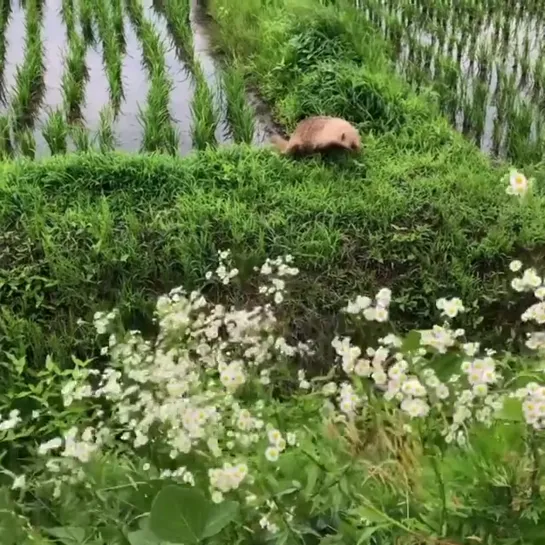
(217, 496)
(19, 482)
(518, 184)
(515, 265)
(450, 307)
(272, 454)
(52, 444)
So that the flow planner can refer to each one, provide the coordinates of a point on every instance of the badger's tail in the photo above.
(280, 143)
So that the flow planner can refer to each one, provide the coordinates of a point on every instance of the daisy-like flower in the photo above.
(518, 184)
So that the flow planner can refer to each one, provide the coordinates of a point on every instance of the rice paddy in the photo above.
(483, 60)
(112, 74)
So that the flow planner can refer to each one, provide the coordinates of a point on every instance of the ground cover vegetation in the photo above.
(364, 365)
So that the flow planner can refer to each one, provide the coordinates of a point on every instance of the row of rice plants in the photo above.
(75, 78)
(68, 16)
(29, 78)
(476, 55)
(5, 13)
(204, 112)
(111, 51)
(86, 20)
(155, 118)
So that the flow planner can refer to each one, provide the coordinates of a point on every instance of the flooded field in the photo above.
(483, 59)
(135, 75)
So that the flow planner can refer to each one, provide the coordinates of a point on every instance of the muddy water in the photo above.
(127, 127)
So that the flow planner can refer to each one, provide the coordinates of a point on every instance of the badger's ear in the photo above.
(343, 137)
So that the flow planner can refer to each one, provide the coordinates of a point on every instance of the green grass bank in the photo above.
(422, 211)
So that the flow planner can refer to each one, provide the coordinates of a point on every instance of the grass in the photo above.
(29, 78)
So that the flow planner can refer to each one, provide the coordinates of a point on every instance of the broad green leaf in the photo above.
(512, 410)
(179, 515)
(220, 516)
(68, 535)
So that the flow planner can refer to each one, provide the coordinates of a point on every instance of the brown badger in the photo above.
(319, 133)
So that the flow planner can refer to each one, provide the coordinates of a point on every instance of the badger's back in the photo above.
(323, 132)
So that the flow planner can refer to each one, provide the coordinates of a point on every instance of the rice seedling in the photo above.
(29, 78)
(27, 143)
(204, 113)
(6, 147)
(159, 133)
(68, 16)
(55, 132)
(484, 39)
(118, 24)
(177, 14)
(106, 135)
(111, 53)
(5, 12)
(80, 137)
(239, 113)
(74, 78)
(86, 20)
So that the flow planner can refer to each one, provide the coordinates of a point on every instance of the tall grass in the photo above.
(75, 77)
(6, 147)
(5, 13)
(239, 113)
(29, 78)
(112, 53)
(55, 132)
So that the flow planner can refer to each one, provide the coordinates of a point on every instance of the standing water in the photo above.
(89, 68)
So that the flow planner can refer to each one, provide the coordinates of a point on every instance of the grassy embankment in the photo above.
(421, 211)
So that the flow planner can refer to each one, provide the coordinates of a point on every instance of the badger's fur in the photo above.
(317, 134)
